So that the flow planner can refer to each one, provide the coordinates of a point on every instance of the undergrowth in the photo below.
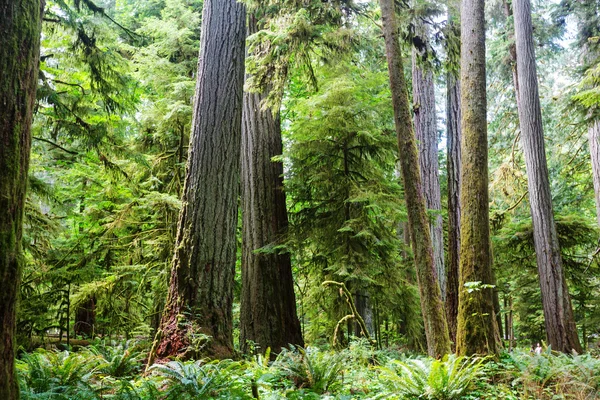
(114, 371)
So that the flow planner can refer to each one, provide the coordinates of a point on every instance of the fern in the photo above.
(199, 380)
(311, 369)
(447, 379)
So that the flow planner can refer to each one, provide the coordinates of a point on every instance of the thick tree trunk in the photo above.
(558, 313)
(453, 140)
(436, 329)
(20, 26)
(426, 133)
(202, 275)
(268, 305)
(476, 327)
(594, 138)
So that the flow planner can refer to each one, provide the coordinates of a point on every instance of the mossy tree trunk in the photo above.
(436, 329)
(453, 141)
(202, 274)
(20, 26)
(558, 312)
(476, 322)
(268, 305)
(426, 133)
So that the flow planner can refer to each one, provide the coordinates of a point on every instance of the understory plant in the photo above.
(451, 378)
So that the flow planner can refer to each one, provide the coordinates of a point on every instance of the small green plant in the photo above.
(311, 369)
(447, 379)
(199, 380)
(118, 360)
(57, 375)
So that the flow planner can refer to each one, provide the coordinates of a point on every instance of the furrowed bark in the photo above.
(453, 142)
(202, 274)
(558, 312)
(476, 322)
(436, 329)
(426, 133)
(268, 315)
(20, 27)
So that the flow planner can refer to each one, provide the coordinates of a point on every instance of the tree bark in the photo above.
(453, 141)
(20, 27)
(426, 133)
(476, 322)
(268, 305)
(558, 312)
(436, 329)
(594, 138)
(202, 274)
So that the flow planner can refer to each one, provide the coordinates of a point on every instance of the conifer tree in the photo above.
(432, 308)
(20, 27)
(476, 326)
(202, 275)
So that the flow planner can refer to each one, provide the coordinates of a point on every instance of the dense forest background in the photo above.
(114, 116)
(110, 142)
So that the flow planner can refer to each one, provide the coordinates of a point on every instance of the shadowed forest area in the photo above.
(301, 199)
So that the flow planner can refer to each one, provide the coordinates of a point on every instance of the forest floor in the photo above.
(117, 371)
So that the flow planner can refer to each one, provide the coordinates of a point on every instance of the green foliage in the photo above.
(56, 375)
(515, 261)
(345, 201)
(311, 369)
(447, 379)
(523, 375)
(309, 374)
(200, 380)
(118, 360)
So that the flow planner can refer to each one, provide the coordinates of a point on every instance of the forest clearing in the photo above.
(301, 199)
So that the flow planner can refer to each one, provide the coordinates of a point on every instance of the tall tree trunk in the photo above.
(558, 313)
(426, 133)
(202, 274)
(436, 329)
(268, 305)
(453, 140)
(476, 326)
(20, 26)
(453, 158)
(594, 138)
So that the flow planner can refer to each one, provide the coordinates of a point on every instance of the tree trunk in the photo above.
(365, 310)
(202, 274)
(594, 138)
(453, 141)
(453, 167)
(476, 322)
(558, 313)
(268, 305)
(20, 25)
(436, 329)
(426, 133)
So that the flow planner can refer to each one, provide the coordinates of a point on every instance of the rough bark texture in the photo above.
(426, 132)
(436, 329)
(558, 313)
(202, 275)
(20, 26)
(268, 305)
(453, 139)
(476, 327)
(594, 138)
